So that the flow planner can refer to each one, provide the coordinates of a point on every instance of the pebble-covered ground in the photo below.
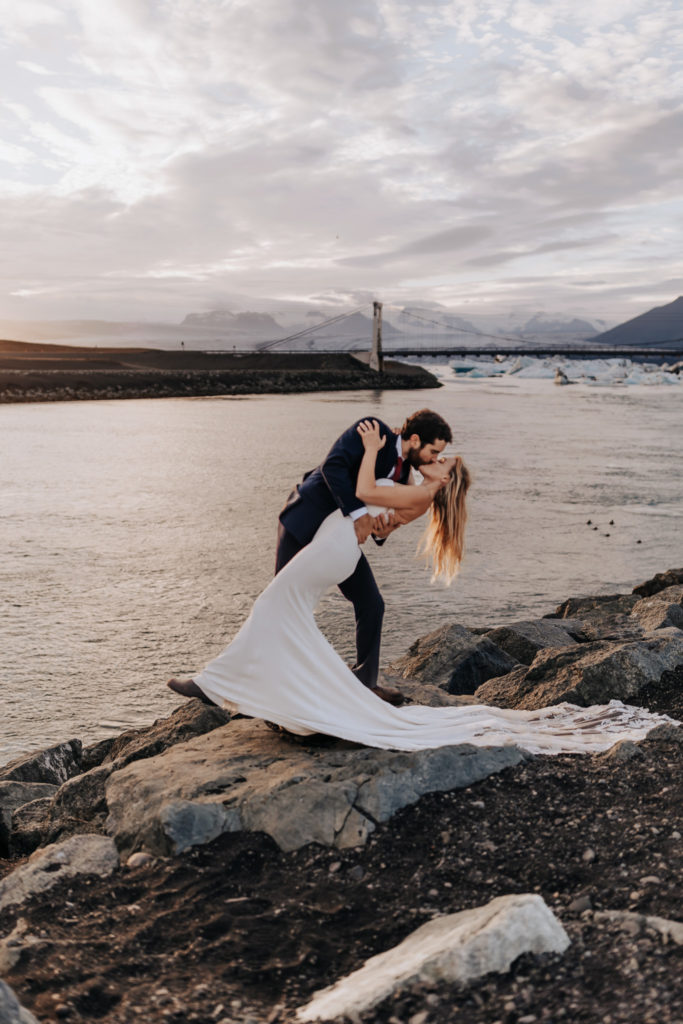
(238, 931)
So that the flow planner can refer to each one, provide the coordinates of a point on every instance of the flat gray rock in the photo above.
(245, 777)
(587, 674)
(454, 659)
(11, 1010)
(456, 948)
(80, 855)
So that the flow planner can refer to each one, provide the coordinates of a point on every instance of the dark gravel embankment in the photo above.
(36, 374)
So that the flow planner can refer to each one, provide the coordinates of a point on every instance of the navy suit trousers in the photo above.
(368, 606)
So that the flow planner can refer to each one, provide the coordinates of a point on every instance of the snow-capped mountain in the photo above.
(297, 327)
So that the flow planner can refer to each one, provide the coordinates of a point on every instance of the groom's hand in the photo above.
(363, 527)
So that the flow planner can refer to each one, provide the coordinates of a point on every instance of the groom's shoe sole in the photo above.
(188, 688)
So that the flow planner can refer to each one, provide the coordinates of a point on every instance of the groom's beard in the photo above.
(413, 460)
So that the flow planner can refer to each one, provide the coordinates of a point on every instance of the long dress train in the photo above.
(281, 668)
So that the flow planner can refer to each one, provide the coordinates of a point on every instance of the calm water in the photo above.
(136, 534)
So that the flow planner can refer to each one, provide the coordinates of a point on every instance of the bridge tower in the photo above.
(376, 357)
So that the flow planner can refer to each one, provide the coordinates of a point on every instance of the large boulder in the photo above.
(79, 805)
(578, 606)
(454, 659)
(661, 610)
(80, 855)
(606, 616)
(15, 794)
(524, 639)
(54, 765)
(588, 674)
(245, 778)
(456, 948)
(505, 691)
(94, 754)
(662, 580)
(192, 718)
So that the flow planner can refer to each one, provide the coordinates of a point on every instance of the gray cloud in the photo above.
(452, 240)
(175, 154)
(495, 259)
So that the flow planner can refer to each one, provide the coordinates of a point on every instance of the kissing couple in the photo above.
(280, 667)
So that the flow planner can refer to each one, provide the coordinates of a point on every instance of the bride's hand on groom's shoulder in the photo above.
(370, 435)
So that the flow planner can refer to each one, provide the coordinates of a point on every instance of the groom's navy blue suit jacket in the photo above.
(333, 484)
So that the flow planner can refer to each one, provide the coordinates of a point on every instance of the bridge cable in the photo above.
(309, 330)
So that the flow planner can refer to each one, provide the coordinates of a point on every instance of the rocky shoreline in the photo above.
(45, 373)
(207, 869)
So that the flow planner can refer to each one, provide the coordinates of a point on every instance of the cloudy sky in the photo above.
(159, 157)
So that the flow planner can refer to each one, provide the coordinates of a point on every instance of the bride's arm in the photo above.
(409, 499)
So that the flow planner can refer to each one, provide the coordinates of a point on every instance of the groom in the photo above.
(332, 485)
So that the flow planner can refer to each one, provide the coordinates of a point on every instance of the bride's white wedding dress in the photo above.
(281, 668)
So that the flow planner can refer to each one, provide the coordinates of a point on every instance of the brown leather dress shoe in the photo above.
(394, 697)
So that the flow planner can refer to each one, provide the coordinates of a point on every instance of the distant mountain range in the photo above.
(223, 319)
(547, 328)
(325, 329)
(659, 326)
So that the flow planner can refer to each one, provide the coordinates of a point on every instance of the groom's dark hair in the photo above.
(429, 427)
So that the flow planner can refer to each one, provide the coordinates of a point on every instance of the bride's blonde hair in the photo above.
(443, 541)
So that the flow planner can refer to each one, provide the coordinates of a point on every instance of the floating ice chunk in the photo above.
(520, 363)
(477, 372)
(596, 372)
(538, 371)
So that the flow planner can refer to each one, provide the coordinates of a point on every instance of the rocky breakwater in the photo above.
(151, 373)
(206, 869)
(590, 650)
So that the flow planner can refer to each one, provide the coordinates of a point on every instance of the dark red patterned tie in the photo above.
(396, 475)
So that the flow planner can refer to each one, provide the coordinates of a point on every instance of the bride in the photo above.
(282, 669)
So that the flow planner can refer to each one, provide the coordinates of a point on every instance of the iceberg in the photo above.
(596, 372)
